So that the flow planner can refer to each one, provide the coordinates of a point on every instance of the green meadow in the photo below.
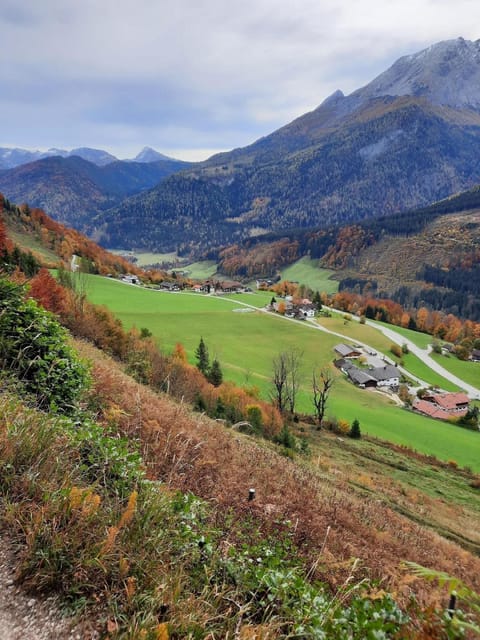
(418, 338)
(464, 369)
(245, 342)
(201, 270)
(306, 271)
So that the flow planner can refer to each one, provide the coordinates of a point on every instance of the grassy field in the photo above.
(419, 339)
(437, 497)
(305, 271)
(258, 299)
(200, 270)
(466, 370)
(145, 258)
(29, 243)
(245, 342)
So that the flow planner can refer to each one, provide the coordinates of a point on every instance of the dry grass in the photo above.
(192, 452)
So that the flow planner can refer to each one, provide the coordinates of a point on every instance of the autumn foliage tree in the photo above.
(46, 290)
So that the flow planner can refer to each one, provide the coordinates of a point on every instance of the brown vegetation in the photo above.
(332, 524)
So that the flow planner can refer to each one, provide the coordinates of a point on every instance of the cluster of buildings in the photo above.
(387, 375)
(300, 309)
(442, 406)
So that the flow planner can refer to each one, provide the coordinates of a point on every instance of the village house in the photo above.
(442, 405)
(169, 286)
(307, 309)
(229, 286)
(346, 351)
(386, 376)
(475, 355)
(361, 378)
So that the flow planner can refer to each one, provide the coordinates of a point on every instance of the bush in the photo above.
(355, 430)
(396, 350)
(33, 345)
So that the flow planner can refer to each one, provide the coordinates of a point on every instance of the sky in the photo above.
(194, 77)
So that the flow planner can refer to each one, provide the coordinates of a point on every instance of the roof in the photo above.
(384, 373)
(345, 349)
(429, 409)
(341, 363)
(360, 377)
(448, 401)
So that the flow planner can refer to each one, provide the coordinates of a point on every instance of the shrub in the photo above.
(355, 430)
(396, 350)
(33, 345)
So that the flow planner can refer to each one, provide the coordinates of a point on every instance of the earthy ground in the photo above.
(24, 617)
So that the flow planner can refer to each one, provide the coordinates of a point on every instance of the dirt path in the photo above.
(23, 617)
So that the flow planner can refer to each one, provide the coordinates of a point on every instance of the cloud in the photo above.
(197, 75)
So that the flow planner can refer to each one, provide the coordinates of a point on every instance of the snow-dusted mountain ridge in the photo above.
(447, 73)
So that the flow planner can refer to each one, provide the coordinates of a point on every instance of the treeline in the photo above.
(450, 301)
(61, 240)
(441, 325)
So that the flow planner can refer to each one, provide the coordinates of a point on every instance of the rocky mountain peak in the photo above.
(147, 154)
(447, 73)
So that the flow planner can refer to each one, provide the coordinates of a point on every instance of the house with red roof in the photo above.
(442, 406)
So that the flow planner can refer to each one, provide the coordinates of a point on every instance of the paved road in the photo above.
(423, 354)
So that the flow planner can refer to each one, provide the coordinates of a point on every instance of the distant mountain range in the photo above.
(408, 138)
(73, 190)
(14, 157)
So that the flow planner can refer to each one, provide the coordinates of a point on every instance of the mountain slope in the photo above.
(73, 189)
(367, 154)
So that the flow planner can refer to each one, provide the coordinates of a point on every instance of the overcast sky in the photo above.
(193, 77)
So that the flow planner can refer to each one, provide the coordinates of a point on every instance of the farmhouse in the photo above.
(229, 286)
(442, 405)
(361, 378)
(386, 376)
(454, 403)
(345, 351)
(170, 286)
(307, 310)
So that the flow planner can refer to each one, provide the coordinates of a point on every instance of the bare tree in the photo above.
(279, 380)
(286, 379)
(321, 386)
(294, 360)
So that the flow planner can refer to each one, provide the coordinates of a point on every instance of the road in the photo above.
(472, 392)
(424, 355)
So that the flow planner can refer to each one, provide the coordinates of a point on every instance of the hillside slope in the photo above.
(72, 190)
(387, 147)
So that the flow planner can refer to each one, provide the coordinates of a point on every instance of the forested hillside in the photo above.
(72, 190)
(135, 510)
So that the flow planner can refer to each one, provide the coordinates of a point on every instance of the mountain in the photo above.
(147, 154)
(72, 189)
(428, 257)
(447, 73)
(407, 139)
(14, 157)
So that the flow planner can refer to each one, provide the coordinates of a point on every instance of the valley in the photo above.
(225, 430)
(246, 343)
